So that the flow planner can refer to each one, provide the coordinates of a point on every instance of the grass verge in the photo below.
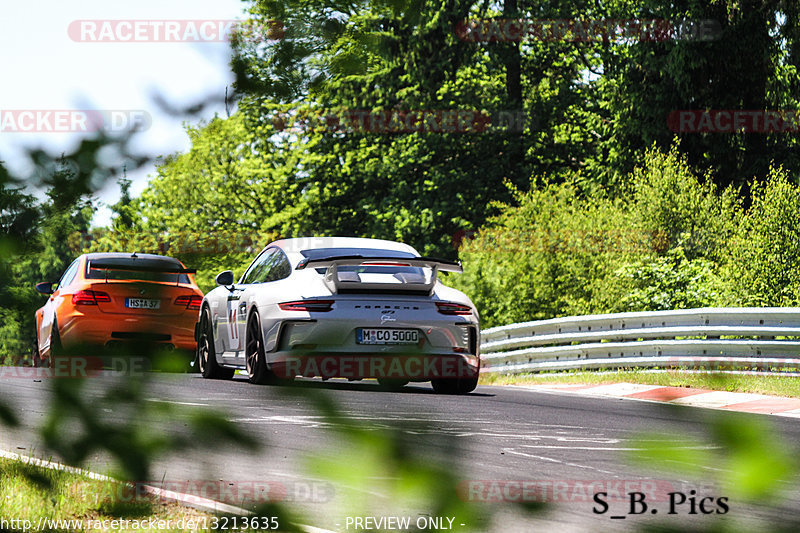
(37, 498)
(788, 386)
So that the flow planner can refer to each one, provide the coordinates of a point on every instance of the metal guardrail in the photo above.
(761, 338)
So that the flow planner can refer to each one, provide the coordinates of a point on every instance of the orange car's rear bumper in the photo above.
(101, 329)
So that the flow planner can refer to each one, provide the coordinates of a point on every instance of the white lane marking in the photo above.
(314, 419)
(157, 400)
(365, 491)
(50, 465)
(550, 459)
(304, 419)
(597, 440)
(614, 449)
(319, 422)
(684, 463)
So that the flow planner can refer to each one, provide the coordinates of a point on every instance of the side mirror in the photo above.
(45, 287)
(224, 278)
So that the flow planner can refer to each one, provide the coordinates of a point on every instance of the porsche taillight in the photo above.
(310, 306)
(90, 297)
(450, 308)
(191, 302)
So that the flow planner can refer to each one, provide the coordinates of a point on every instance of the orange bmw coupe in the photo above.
(108, 300)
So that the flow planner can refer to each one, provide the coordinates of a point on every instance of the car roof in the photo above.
(144, 259)
(311, 243)
(121, 255)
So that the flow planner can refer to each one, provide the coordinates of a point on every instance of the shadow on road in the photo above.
(365, 386)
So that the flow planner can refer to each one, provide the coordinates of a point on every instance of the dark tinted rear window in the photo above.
(155, 269)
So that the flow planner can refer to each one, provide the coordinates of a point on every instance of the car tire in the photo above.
(258, 370)
(454, 386)
(56, 348)
(392, 384)
(255, 356)
(38, 362)
(206, 355)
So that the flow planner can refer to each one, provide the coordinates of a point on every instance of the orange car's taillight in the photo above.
(89, 297)
(192, 303)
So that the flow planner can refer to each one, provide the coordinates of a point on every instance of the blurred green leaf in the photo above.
(748, 460)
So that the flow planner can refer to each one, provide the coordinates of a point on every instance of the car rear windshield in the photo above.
(121, 268)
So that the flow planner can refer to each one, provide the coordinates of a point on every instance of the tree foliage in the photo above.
(557, 253)
(593, 160)
(764, 261)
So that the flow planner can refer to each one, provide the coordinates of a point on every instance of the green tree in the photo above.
(408, 56)
(763, 265)
(748, 62)
(127, 216)
(237, 176)
(558, 253)
(552, 255)
(37, 237)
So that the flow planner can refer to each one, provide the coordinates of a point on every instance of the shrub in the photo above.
(668, 282)
(559, 252)
(763, 263)
(680, 209)
(547, 257)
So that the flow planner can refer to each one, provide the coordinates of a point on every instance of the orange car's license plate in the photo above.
(142, 303)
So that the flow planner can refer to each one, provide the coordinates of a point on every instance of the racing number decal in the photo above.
(233, 327)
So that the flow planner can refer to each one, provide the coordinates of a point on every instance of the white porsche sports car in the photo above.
(341, 307)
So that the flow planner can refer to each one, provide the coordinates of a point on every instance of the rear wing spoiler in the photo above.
(100, 265)
(336, 284)
(441, 265)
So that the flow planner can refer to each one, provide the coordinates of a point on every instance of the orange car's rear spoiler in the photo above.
(99, 265)
(165, 269)
(336, 284)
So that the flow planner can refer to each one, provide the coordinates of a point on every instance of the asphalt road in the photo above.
(490, 441)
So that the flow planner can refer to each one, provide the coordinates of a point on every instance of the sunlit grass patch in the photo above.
(32, 493)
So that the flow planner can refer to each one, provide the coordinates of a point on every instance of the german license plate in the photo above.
(142, 303)
(386, 336)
